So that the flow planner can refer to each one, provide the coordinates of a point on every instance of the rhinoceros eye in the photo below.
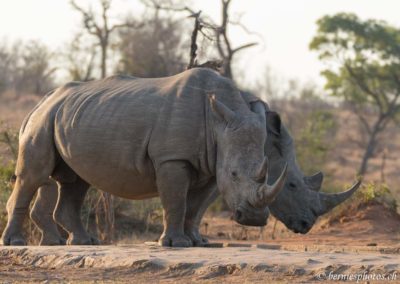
(234, 175)
(292, 186)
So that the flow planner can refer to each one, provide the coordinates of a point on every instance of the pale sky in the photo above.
(286, 27)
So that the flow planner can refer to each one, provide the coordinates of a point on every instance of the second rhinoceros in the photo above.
(301, 202)
(139, 138)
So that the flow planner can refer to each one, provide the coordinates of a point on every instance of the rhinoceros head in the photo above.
(241, 167)
(300, 203)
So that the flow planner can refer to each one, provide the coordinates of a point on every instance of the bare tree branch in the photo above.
(193, 45)
(244, 46)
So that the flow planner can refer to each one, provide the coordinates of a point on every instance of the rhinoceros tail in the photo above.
(13, 179)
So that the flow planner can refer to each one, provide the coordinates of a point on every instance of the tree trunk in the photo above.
(371, 146)
(227, 72)
(103, 60)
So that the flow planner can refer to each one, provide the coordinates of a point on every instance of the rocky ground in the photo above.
(151, 263)
(362, 245)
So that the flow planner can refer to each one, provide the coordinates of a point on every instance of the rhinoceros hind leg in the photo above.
(34, 166)
(68, 211)
(198, 201)
(173, 181)
(42, 214)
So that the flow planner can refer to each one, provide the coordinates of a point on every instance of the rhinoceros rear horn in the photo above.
(315, 181)
(221, 111)
(266, 193)
(329, 201)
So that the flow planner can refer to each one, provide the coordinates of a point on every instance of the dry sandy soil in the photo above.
(364, 243)
(146, 264)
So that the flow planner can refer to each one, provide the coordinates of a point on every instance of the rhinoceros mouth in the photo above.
(250, 216)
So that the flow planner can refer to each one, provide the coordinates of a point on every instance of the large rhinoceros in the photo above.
(300, 203)
(139, 138)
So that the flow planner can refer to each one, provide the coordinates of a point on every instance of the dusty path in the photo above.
(147, 264)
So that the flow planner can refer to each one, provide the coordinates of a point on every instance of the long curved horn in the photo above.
(266, 193)
(262, 173)
(329, 201)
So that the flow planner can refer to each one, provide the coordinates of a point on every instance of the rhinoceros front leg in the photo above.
(42, 214)
(173, 181)
(197, 204)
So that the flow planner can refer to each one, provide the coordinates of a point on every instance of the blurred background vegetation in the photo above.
(350, 127)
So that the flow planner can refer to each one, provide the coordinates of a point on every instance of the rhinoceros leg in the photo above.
(68, 211)
(173, 181)
(42, 214)
(197, 204)
(35, 165)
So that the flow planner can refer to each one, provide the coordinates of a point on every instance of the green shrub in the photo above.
(8, 139)
(314, 140)
(379, 193)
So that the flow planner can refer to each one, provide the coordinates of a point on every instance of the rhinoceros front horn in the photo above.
(266, 193)
(329, 201)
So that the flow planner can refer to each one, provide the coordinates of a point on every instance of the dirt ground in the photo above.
(150, 263)
(363, 245)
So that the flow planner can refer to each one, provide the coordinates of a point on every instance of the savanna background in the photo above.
(335, 80)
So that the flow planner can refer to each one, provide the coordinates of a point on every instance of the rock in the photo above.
(268, 246)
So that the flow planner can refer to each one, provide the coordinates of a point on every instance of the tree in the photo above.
(211, 31)
(80, 57)
(25, 67)
(8, 62)
(366, 71)
(155, 50)
(224, 45)
(100, 28)
(36, 73)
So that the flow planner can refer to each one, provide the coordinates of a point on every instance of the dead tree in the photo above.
(102, 29)
(224, 46)
(219, 35)
(212, 64)
(193, 45)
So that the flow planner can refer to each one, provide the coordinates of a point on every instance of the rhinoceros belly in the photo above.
(106, 143)
(111, 167)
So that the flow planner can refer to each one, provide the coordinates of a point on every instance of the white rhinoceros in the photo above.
(139, 138)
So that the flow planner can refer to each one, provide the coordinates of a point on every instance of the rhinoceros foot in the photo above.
(83, 241)
(175, 240)
(56, 241)
(13, 239)
(197, 239)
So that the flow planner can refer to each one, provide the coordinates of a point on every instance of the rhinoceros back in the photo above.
(114, 133)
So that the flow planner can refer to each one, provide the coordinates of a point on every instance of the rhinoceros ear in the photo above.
(221, 111)
(273, 122)
(314, 181)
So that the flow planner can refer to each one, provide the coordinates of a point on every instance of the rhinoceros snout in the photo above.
(301, 227)
(250, 216)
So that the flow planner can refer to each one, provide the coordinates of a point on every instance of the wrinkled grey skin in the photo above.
(298, 205)
(139, 138)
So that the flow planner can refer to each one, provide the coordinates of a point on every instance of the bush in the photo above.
(6, 172)
(9, 139)
(314, 140)
(379, 193)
